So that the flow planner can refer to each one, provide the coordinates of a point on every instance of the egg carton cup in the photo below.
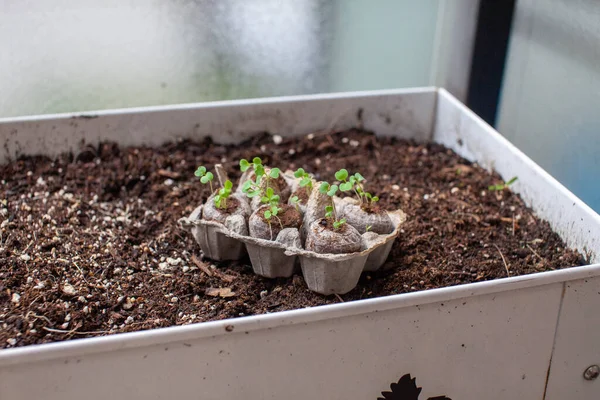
(268, 257)
(339, 273)
(213, 238)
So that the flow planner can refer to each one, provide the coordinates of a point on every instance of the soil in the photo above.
(289, 217)
(302, 194)
(89, 242)
(328, 224)
(372, 208)
(232, 206)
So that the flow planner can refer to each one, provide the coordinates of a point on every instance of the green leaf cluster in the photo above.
(305, 179)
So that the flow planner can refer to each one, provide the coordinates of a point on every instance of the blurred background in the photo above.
(528, 67)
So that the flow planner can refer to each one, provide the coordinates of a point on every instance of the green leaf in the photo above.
(253, 193)
(259, 170)
(200, 171)
(207, 178)
(275, 199)
(511, 181)
(264, 199)
(324, 187)
(256, 161)
(299, 173)
(274, 210)
(341, 175)
(332, 190)
(217, 200)
(268, 214)
(305, 181)
(359, 177)
(247, 185)
(375, 199)
(244, 165)
(294, 199)
(274, 173)
(228, 185)
(368, 195)
(270, 192)
(346, 186)
(329, 208)
(352, 179)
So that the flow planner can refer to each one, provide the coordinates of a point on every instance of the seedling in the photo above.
(354, 182)
(205, 176)
(305, 179)
(503, 185)
(223, 194)
(295, 201)
(270, 197)
(330, 211)
(272, 213)
(252, 188)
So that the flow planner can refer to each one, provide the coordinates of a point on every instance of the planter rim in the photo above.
(221, 103)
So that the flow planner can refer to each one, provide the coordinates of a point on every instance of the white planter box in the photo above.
(528, 337)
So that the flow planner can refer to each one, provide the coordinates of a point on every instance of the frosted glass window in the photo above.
(551, 91)
(80, 55)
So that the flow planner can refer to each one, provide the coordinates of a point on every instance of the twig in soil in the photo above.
(80, 271)
(201, 265)
(37, 317)
(461, 273)
(73, 332)
(503, 259)
(339, 297)
(533, 251)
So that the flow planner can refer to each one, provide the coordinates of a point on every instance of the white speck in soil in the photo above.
(68, 289)
(25, 257)
(11, 341)
(395, 187)
(263, 294)
(16, 298)
(277, 139)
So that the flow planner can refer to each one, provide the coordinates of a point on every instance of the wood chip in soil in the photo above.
(89, 242)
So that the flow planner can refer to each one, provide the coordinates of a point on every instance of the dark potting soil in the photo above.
(302, 194)
(89, 243)
(287, 217)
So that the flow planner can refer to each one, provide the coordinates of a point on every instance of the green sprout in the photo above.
(295, 201)
(330, 211)
(338, 224)
(354, 182)
(252, 188)
(503, 185)
(270, 197)
(272, 213)
(223, 194)
(305, 179)
(368, 228)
